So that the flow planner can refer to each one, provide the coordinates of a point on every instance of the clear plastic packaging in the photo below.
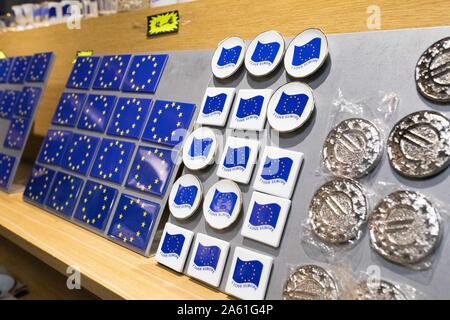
(357, 131)
(316, 282)
(372, 285)
(406, 226)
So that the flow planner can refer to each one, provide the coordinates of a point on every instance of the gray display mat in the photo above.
(12, 186)
(176, 84)
(361, 65)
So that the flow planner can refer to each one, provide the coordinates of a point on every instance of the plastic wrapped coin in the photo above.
(433, 72)
(310, 282)
(382, 290)
(419, 144)
(352, 149)
(338, 210)
(405, 227)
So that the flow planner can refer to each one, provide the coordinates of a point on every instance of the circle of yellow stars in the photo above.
(80, 62)
(127, 105)
(115, 143)
(119, 59)
(92, 220)
(97, 119)
(40, 172)
(143, 224)
(56, 135)
(71, 98)
(137, 66)
(72, 192)
(72, 165)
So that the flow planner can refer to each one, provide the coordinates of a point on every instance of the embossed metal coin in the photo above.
(383, 290)
(338, 210)
(419, 144)
(310, 282)
(353, 148)
(433, 71)
(404, 227)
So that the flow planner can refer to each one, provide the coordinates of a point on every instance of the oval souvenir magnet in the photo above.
(306, 53)
(200, 149)
(264, 53)
(222, 204)
(228, 57)
(185, 196)
(290, 106)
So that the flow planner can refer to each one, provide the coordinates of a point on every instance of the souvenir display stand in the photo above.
(22, 84)
(355, 67)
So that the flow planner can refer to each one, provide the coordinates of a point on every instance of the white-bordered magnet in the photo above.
(208, 258)
(265, 219)
(306, 53)
(185, 197)
(216, 105)
(290, 107)
(250, 109)
(264, 53)
(249, 274)
(278, 171)
(238, 159)
(174, 247)
(222, 204)
(200, 149)
(228, 57)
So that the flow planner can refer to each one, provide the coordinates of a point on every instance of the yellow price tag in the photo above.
(2, 55)
(85, 53)
(161, 23)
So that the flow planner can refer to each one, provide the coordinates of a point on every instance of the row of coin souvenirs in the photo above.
(286, 110)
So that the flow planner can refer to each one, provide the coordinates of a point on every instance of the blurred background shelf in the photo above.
(108, 270)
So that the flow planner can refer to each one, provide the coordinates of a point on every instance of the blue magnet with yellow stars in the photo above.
(5, 67)
(112, 160)
(96, 112)
(80, 152)
(8, 103)
(68, 109)
(19, 69)
(83, 72)
(168, 122)
(144, 73)
(64, 193)
(151, 170)
(39, 67)
(129, 117)
(27, 102)
(53, 147)
(39, 184)
(95, 204)
(17, 132)
(6, 167)
(111, 72)
(133, 221)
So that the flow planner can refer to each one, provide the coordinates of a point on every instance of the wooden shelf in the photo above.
(108, 270)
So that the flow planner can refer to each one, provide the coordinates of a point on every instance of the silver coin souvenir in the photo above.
(382, 290)
(419, 145)
(404, 227)
(338, 211)
(353, 148)
(310, 282)
(433, 72)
